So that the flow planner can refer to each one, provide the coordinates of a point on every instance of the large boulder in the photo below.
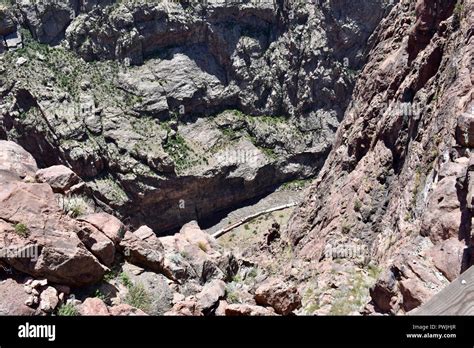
(108, 224)
(31, 219)
(97, 242)
(15, 162)
(42, 241)
(194, 254)
(59, 177)
(155, 285)
(93, 306)
(442, 217)
(13, 298)
(384, 293)
(448, 257)
(143, 248)
(465, 130)
(282, 297)
(414, 293)
(187, 307)
(210, 295)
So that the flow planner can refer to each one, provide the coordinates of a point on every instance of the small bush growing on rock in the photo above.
(138, 297)
(68, 310)
(252, 273)
(110, 275)
(22, 230)
(345, 228)
(125, 279)
(76, 206)
(357, 205)
(232, 297)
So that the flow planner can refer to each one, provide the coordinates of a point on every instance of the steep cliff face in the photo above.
(396, 188)
(136, 98)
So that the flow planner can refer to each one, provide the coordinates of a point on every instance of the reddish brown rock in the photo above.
(384, 293)
(414, 293)
(15, 161)
(112, 227)
(380, 182)
(210, 295)
(97, 242)
(125, 310)
(247, 310)
(283, 297)
(194, 254)
(143, 248)
(448, 256)
(442, 217)
(34, 221)
(93, 306)
(188, 307)
(59, 177)
(13, 298)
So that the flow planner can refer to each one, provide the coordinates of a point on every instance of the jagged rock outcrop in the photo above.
(396, 183)
(33, 226)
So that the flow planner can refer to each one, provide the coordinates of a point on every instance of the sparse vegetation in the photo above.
(138, 297)
(352, 297)
(233, 297)
(177, 147)
(459, 9)
(297, 184)
(252, 273)
(417, 186)
(68, 310)
(311, 301)
(357, 205)
(75, 206)
(374, 271)
(125, 279)
(100, 295)
(22, 230)
(346, 228)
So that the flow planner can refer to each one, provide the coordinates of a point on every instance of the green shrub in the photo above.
(22, 230)
(100, 295)
(68, 310)
(357, 205)
(346, 228)
(138, 297)
(76, 206)
(125, 279)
